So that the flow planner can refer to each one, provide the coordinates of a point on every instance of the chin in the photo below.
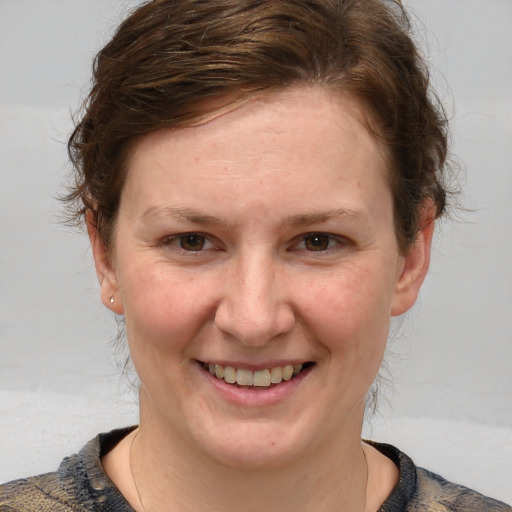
(255, 447)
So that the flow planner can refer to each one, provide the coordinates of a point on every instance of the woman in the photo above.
(260, 182)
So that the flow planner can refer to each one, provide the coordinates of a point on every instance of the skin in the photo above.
(259, 186)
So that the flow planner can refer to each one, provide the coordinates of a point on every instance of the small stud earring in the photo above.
(112, 300)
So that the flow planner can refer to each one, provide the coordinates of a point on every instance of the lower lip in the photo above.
(255, 396)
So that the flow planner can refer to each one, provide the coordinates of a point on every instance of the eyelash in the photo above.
(332, 241)
(176, 242)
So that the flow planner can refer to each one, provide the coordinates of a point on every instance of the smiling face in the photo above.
(258, 246)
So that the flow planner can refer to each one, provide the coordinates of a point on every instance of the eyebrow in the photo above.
(154, 213)
(317, 217)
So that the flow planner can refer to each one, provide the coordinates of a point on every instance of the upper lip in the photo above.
(255, 366)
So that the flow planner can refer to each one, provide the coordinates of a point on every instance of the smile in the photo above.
(259, 378)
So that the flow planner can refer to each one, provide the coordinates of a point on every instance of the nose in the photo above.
(254, 308)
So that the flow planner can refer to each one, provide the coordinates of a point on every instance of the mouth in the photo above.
(264, 378)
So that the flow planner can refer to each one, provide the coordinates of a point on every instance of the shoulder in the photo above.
(79, 485)
(436, 493)
(419, 490)
(40, 493)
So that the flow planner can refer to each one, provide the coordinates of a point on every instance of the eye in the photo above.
(189, 242)
(318, 241)
(192, 242)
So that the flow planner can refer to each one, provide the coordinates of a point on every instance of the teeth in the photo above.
(276, 375)
(219, 371)
(230, 375)
(244, 377)
(287, 372)
(259, 378)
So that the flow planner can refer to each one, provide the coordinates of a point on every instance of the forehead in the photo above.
(300, 139)
(326, 111)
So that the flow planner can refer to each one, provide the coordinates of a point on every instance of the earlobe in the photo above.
(107, 277)
(415, 263)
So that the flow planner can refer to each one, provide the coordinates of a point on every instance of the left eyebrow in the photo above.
(317, 217)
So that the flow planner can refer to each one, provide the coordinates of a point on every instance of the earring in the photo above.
(112, 300)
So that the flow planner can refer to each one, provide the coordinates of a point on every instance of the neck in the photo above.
(332, 478)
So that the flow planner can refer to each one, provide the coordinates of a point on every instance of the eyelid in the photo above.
(172, 241)
(213, 244)
(340, 241)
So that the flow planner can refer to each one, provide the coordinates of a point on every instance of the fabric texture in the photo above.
(81, 485)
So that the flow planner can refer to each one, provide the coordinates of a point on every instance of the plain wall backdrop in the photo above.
(449, 402)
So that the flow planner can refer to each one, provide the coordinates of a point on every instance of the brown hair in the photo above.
(168, 55)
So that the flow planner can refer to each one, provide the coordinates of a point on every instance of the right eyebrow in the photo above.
(156, 212)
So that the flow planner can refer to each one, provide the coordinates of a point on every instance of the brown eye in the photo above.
(317, 242)
(192, 242)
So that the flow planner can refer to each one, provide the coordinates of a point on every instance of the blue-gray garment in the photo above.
(80, 485)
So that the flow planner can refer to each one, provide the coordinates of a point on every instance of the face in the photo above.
(256, 263)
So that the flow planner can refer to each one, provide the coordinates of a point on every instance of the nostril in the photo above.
(254, 326)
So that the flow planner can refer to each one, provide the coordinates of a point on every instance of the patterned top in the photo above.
(80, 485)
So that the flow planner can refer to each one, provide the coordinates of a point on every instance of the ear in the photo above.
(415, 263)
(105, 271)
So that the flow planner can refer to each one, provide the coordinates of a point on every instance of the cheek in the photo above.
(350, 314)
(165, 310)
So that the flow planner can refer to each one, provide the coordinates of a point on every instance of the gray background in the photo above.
(449, 359)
